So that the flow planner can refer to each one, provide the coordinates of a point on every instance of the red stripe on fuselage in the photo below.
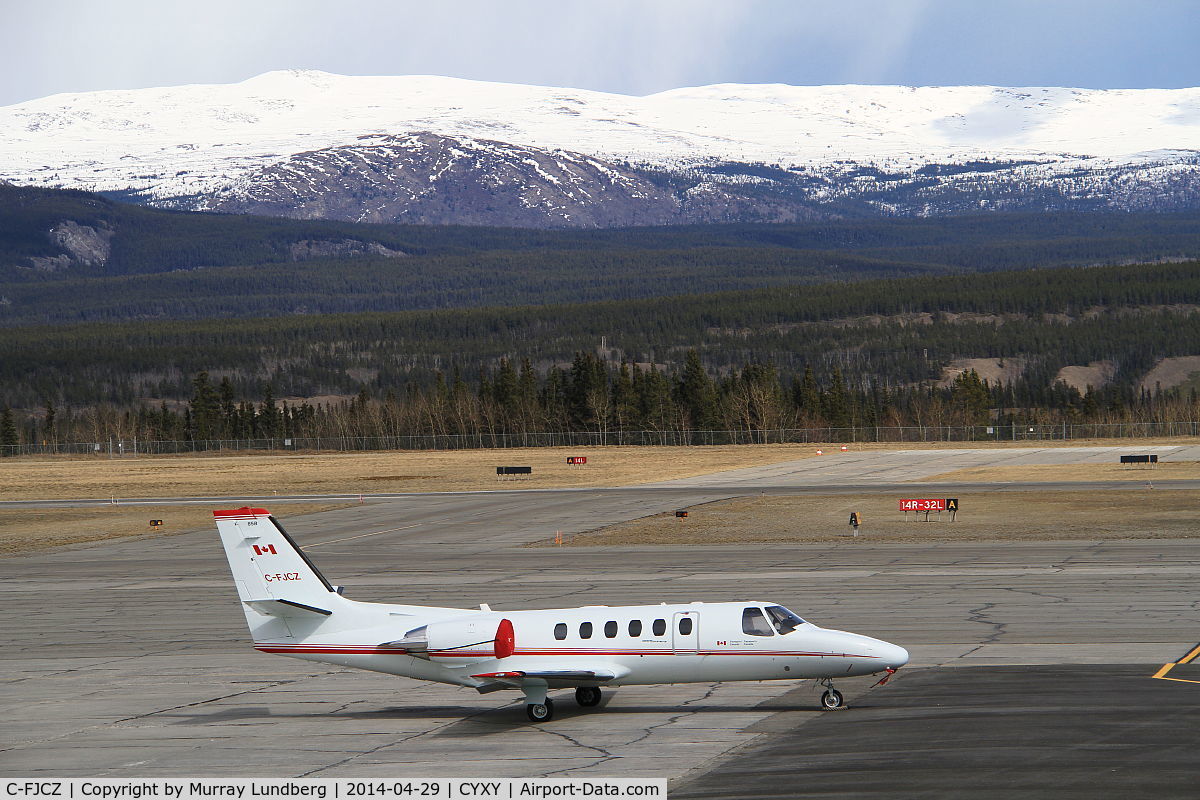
(351, 649)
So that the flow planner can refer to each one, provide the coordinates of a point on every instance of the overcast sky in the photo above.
(627, 46)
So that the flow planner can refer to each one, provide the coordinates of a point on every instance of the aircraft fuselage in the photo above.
(715, 648)
(291, 609)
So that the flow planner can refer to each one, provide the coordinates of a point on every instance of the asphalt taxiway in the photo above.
(130, 658)
(991, 732)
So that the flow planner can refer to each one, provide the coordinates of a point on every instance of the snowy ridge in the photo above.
(205, 146)
(427, 178)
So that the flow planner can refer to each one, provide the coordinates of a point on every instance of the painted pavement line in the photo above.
(1170, 665)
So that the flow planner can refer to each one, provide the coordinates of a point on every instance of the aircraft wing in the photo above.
(556, 678)
(552, 675)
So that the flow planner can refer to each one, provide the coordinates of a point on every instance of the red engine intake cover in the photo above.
(505, 639)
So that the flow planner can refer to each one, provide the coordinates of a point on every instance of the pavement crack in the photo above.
(101, 726)
(72, 670)
(372, 751)
(196, 704)
(709, 692)
(980, 615)
(1054, 597)
(393, 743)
(574, 591)
(605, 755)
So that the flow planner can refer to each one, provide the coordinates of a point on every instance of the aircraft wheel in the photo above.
(587, 696)
(540, 712)
(832, 700)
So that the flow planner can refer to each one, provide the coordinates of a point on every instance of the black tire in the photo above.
(540, 712)
(832, 700)
(588, 696)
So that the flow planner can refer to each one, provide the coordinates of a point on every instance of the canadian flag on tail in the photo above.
(264, 549)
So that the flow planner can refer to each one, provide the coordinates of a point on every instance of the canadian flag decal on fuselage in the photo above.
(270, 548)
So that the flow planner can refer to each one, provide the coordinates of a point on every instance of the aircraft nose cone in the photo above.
(894, 655)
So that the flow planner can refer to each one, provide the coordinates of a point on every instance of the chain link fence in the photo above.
(120, 448)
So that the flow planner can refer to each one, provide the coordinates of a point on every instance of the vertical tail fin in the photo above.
(283, 593)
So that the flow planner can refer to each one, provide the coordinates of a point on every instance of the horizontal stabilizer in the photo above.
(285, 608)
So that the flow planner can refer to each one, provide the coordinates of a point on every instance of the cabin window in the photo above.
(560, 631)
(754, 623)
(610, 629)
(784, 620)
(635, 627)
(585, 630)
(685, 626)
(659, 627)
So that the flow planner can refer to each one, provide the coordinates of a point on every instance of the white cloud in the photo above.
(633, 46)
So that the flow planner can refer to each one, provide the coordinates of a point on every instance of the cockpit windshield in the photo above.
(783, 620)
(754, 623)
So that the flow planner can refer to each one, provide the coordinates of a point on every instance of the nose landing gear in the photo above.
(538, 707)
(832, 699)
(540, 712)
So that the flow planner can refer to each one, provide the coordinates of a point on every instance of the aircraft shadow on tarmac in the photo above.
(507, 718)
(251, 713)
(475, 721)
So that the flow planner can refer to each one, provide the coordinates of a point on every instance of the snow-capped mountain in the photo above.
(431, 149)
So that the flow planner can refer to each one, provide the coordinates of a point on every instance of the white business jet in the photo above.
(292, 610)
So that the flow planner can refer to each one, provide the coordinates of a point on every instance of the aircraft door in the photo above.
(685, 633)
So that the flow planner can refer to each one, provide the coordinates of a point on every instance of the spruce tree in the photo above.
(8, 433)
(807, 394)
(697, 395)
(655, 400)
(587, 393)
(48, 423)
(206, 408)
(553, 399)
(228, 408)
(837, 401)
(268, 421)
(624, 400)
(504, 388)
(527, 386)
(972, 397)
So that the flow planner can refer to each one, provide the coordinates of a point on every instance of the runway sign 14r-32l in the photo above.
(929, 504)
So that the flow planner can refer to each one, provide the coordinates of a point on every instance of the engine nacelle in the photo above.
(467, 638)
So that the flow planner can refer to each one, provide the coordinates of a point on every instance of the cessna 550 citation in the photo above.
(292, 610)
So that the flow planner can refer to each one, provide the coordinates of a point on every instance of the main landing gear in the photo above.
(541, 709)
(832, 699)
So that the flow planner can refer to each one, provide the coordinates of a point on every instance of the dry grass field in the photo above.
(1167, 470)
(365, 473)
(994, 516)
(26, 530)
(51, 478)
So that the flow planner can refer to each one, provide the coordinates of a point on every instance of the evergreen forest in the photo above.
(192, 327)
(171, 265)
(871, 353)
